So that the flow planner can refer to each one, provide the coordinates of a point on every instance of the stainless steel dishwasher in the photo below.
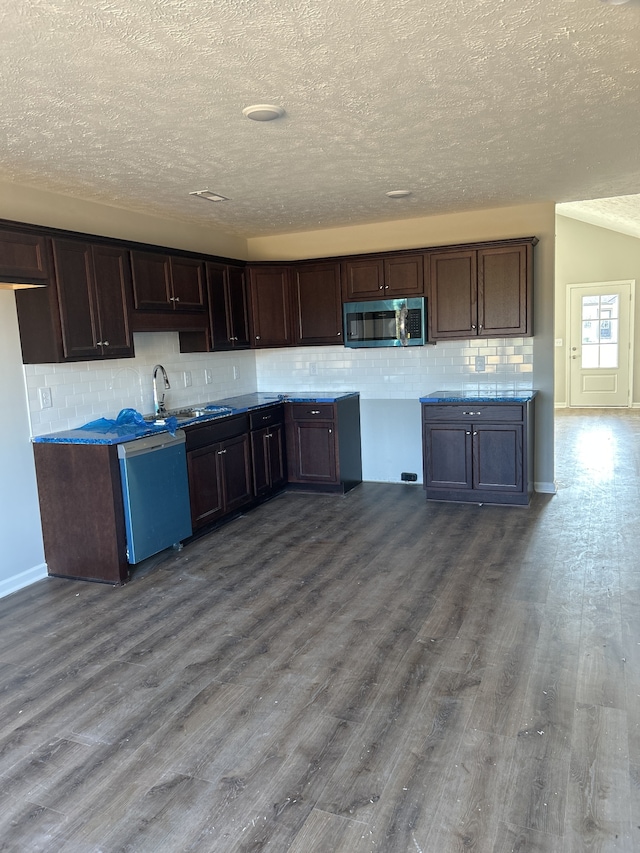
(155, 488)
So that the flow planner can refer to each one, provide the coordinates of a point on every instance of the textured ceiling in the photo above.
(467, 103)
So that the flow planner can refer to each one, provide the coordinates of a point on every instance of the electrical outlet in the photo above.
(236, 372)
(208, 376)
(187, 379)
(559, 342)
(46, 399)
(480, 364)
(313, 368)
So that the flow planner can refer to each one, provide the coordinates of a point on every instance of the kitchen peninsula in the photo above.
(240, 453)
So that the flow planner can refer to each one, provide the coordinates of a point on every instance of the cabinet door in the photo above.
(112, 281)
(23, 258)
(498, 457)
(317, 295)
(227, 292)
(260, 462)
(362, 279)
(205, 485)
(504, 291)
(151, 281)
(78, 316)
(270, 306)
(236, 302)
(314, 452)
(403, 276)
(276, 456)
(447, 456)
(236, 472)
(453, 295)
(187, 284)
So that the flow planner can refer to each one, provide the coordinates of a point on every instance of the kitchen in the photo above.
(389, 384)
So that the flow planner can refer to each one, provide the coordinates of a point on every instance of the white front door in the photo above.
(600, 340)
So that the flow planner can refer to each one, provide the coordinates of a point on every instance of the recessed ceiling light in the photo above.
(263, 112)
(209, 195)
(398, 193)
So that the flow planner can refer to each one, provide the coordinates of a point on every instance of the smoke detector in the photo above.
(263, 112)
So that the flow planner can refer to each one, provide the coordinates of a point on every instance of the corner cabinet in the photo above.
(484, 291)
(478, 452)
(84, 313)
(228, 311)
(323, 445)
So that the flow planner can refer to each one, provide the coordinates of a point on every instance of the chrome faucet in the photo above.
(158, 400)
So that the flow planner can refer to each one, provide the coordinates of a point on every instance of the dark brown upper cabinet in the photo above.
(270, 301)
(481, 292)
(382, 277)
(228, 310)
(318, 304)
(167, 282)
(24, 257)
(83, 313)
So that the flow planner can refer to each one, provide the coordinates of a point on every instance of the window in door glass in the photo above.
(600, 321)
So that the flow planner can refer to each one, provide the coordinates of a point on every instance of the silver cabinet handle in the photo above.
(475, 433)
(314, 412)
(105, 343)
(467, 432)
(220, 452)
(257, 337)
(472, 413)
(330, 431)
(338, 333)
(473, 326)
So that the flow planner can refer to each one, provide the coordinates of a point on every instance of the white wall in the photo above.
(21, 554)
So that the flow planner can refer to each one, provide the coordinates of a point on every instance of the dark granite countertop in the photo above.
(497, 396)
(110, 433)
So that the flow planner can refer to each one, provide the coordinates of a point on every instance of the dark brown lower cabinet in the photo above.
(323, 445)
(82, 511)
(219, 468)
(478, 453)
(268, 451)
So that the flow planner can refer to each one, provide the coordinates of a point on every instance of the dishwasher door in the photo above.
(155, 488)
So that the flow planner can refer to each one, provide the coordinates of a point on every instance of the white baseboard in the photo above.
(19, 581)
(559, 405)
(545, 488)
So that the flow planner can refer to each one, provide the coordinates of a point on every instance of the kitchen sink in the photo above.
(190, 413)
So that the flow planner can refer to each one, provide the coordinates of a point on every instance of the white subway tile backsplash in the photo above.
(85, 391)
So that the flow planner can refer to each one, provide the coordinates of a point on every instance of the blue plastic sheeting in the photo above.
(127, 422)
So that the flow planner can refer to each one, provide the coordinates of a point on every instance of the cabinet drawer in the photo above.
(266, 417)
(468, 412)
(312, 411)
(201, 435)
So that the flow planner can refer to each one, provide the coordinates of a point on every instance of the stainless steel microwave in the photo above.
(385, 323)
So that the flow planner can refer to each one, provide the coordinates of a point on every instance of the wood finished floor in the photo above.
(362, 674)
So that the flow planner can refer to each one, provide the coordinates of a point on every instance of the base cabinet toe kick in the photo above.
(478, 451)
